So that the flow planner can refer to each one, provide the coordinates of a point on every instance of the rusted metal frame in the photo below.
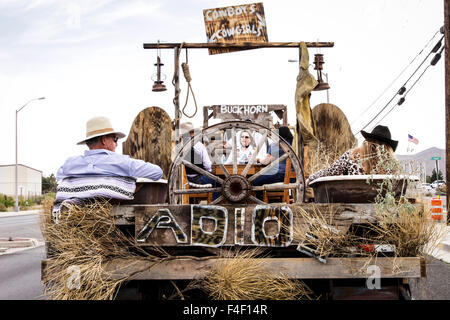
(255, 154)
(268, 167)
(243, 45)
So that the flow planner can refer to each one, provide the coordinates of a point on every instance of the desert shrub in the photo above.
(38, 200)
(25, 204)
(7, 201)
(50, 195)
(3, 207)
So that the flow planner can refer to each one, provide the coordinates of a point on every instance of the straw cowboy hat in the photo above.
(187, 127)
(99, 126)
(381, 133)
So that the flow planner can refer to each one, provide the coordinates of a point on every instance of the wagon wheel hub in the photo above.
(236, 188)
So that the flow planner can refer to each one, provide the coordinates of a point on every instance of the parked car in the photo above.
(437, 183)
(426, 187)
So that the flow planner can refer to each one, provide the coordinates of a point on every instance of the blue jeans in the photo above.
(200, 179)
(267, 179)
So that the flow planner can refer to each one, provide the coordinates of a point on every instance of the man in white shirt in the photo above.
(198, 156)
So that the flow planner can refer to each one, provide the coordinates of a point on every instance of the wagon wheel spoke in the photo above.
(224, 169)
(280, 187)
(229, 179)
(201, 171)
(255, 154)
(255, 199)
(234, 150)
(268, 167)
(196, 190)
(218, 200)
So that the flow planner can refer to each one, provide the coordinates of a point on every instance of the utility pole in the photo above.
(447, 100)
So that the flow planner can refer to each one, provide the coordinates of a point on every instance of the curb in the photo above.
(17, 243)
(20, 213)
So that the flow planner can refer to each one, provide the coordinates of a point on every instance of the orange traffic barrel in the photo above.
(436, 209)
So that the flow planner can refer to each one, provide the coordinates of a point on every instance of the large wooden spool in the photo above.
(150, 138)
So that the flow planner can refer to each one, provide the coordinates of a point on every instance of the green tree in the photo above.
(439, 176)
(49, 184)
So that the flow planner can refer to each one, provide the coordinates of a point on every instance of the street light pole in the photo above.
(16, 196)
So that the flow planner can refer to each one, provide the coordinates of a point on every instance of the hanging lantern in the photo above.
(158, 84)
(318, 62)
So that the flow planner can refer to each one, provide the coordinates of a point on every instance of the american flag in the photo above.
(412, 139)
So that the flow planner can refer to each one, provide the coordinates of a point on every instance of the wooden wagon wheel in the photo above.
(234, 187)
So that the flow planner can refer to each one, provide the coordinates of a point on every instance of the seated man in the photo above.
(276, 174)
(198, 156)
(100, 172)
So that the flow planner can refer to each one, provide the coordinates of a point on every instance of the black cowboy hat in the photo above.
(381, 133)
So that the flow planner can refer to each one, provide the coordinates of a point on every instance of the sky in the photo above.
(87, 59)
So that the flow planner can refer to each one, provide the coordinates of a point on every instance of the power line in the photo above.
(402, 89)
(433, 62)
(390, 85)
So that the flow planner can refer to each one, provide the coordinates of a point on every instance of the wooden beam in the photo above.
(294, 268)
(243, 45)
(447, 100)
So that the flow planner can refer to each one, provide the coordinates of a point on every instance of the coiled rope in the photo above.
(188, 78)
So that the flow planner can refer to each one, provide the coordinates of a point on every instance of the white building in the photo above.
(29, 181)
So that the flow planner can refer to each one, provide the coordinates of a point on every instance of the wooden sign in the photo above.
(260, 113)
(235, 24)
(215, 226)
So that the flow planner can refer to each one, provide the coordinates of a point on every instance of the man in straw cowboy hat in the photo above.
(100, 172)
(101, 158)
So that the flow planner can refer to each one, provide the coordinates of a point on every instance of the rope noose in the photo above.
(187, 76)
(177, 94)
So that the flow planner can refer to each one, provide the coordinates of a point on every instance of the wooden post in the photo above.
(176, 99)
(447, 100)
(176, 102)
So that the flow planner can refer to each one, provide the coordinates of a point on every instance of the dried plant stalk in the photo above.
(319, 232)
(80, 244)
(242, 276)
(409, 230)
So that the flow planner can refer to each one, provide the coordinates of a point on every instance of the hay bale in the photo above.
(244, 277)
(81, 243)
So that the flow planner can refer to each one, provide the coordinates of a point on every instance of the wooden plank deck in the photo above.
(294, 268)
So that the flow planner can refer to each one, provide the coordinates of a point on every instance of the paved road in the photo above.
(436, 285)
(20, 275)
(21, 227)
